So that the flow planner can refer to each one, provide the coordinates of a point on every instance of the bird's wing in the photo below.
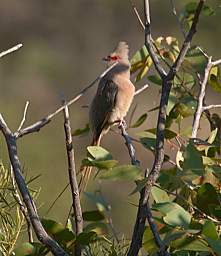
(102, 105)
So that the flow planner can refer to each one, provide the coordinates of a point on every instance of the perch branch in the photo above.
(13, 49)
(41, 123)
(167, 79)
(31, 209)
(73, 178)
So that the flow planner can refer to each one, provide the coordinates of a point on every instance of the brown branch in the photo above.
(167, 79)
(14, 48)
(41, 123)
(40, 232)
(73, 179)
(22, 207)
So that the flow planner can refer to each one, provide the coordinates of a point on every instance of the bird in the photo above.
(111, 102)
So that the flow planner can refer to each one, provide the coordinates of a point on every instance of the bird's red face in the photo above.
(112, 58)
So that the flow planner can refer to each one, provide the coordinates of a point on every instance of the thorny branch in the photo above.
(167, 79)
(30, 205)
(73, 179)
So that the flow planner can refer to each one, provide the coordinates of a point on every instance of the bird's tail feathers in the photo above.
(85, 171)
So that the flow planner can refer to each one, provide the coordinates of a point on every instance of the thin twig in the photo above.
(137, 14)
(211, 106)
(177, 18)
(39, 124)
(202, 92)
(141, 89)
(73, 179)
(160, 134)
(148, 41)
(13, 49)
(24, 116)
(40, 232)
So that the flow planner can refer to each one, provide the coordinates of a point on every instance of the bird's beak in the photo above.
(105, 58)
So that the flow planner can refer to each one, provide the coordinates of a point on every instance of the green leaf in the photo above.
(215, 244)
(52, 227)
(155, 79)
(99, 228)
(206, 196)
(193, 163)
(99, 153)
(149, 242)
(85, 238)
(159, 195)
(195, 60)
(122, 172)
(93, 216)
(187, 243)
(138, 59)
(99, 200)
(65, 237)
(209, 230)
(106, 164)
(168, 133)
(214, 79)
(140, 121)
(25, 249)
(175, 215)
(81, 131)
(148, 143)
(144, 69)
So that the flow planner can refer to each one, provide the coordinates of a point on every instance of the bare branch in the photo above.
(31, 208)
(22, 207)
(177, 18)
(13, 49)
(216, 62)
(148, 41)
(73, 179)
(137, 14)
(211, 106)
(143, 88)
(200, 107)
(24, 116)
(41, 123)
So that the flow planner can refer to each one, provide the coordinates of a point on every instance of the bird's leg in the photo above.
(122, 123)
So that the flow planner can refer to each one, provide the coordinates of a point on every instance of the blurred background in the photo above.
(63, 44)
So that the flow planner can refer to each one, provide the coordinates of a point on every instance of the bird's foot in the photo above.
(122, 123)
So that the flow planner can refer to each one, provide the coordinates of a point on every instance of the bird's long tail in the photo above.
(85, 171)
